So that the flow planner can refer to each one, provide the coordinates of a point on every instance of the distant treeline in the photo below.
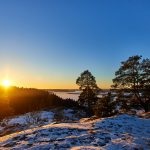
(15, 101)
(62, 90)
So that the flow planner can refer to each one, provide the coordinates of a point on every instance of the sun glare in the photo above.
(6, 83)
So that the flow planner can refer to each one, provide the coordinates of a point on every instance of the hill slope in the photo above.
(114, 133)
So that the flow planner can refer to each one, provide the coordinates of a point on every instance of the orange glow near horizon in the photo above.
(52, 85)
(31, 80)
(21, 77)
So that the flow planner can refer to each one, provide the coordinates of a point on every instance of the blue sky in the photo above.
(47, 44)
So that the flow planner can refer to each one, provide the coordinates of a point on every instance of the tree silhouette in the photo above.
(134, 74)
(105, 106)
(87, 80)
(87, 98)
(89, 88)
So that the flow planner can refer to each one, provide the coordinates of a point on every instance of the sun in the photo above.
(6, 83)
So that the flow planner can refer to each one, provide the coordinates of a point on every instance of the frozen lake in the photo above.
(73, 95)
(65, 95)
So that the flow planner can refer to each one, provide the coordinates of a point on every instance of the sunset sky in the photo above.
(48, 43)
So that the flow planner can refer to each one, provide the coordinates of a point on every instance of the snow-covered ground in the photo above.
(34, 119)
(122, 132)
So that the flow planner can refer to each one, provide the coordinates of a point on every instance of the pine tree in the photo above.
(105, 106)
(89, 88)
(87, 98)
(134, 74)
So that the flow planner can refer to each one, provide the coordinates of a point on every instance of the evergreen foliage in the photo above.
(134, 74)
(123, 101)
(23, 100)
(87, 98)
(87, 84)
(87, 80)
(105, 106)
